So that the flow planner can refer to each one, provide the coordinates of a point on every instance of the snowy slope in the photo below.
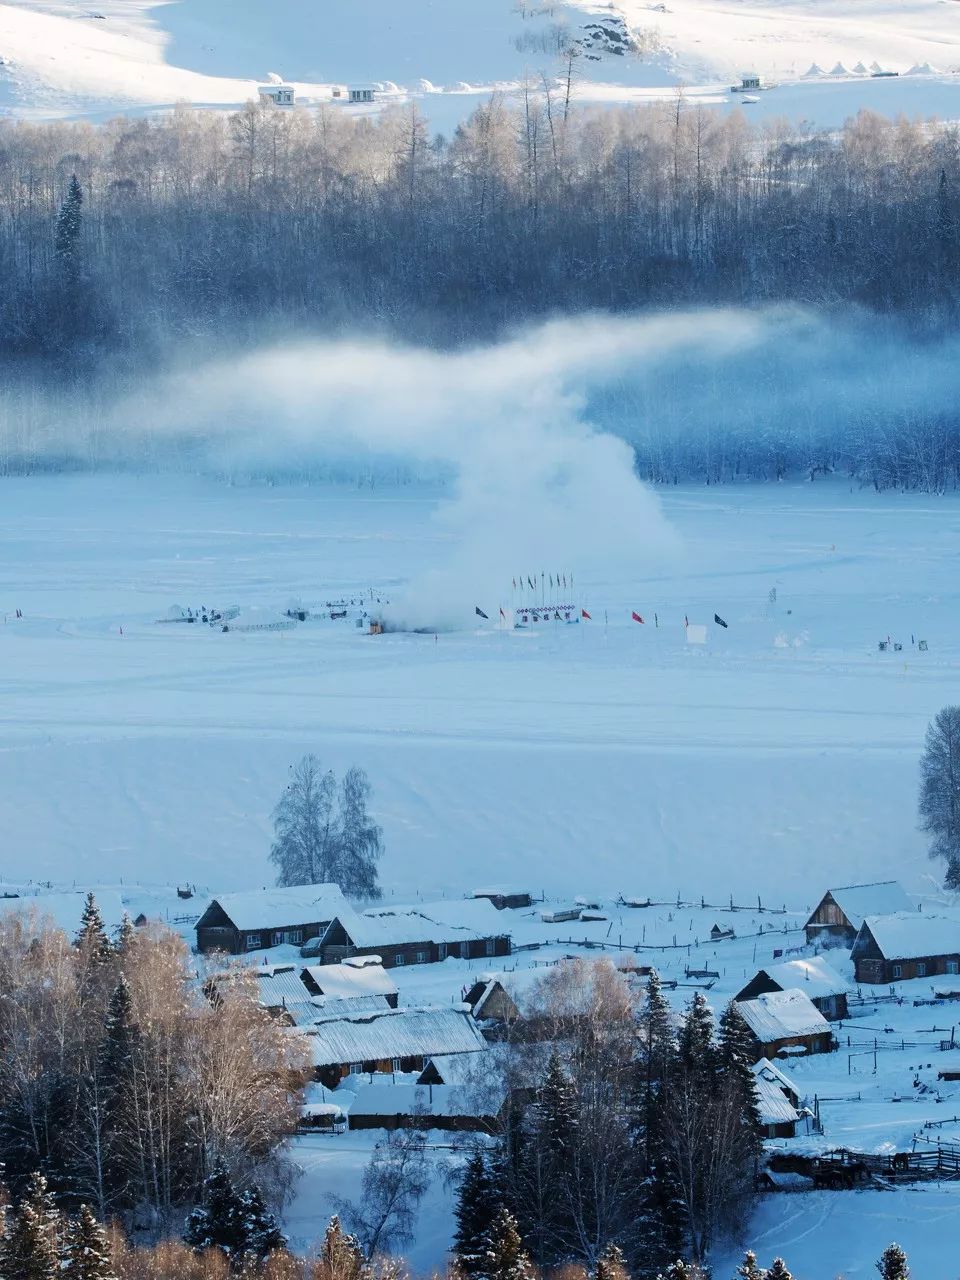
(780, 757)
(65, 57)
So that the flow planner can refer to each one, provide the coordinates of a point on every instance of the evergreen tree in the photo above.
(695, 1043)
(505, 1257)
(69, 227)
(611, 1265)
(92, 938)
(477, 1205)
(341, 1257)
(893, 1263)
(778, 1270)
(31, 1249)
(126, 935)
(87, 1249)
(736, 1054)
(749, 1268)
(235, 1222)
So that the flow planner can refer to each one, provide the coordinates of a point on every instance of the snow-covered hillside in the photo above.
(65, 57)
(780, 756)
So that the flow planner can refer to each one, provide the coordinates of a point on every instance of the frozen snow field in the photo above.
(778, 758)
(68, 58)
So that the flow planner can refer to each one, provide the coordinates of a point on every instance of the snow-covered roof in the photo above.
(347, 981)
(771, 1072)
(279, 985)
(65, 909)
(780, 1015)
(323, 1008)
(459, 920)
(454, 1068)
(275, 908)
(774, 1106)
(394, 1033)
(857, 901)
(812, 975)
(911, 935)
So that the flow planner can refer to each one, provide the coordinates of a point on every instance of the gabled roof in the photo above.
(276, 908)
(782, 1015)
(394, 1033)
(772, 1103)
(459, 920)
(454, 1068)
(279, 984)
(811, 975)
(857, 901)
(347, 981)
(912, 935)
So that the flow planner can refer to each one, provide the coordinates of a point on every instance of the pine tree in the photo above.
(749, 1268)
(31, 1249)
(736, 1054)
(216, 1223)
(126, 936)
(263, 1234)
(893, 1263)
(68, 230)
(695, 1043)
(611, 1265)
(477, 1205)
(506, 1258)
(87, 1249)
(341, 1257)
(778, 1270)
(92, 938)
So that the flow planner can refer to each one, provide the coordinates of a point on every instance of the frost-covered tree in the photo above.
(940, 791)
(341, 1257)
(506, 1258)
(394, 1182)
(749, 1268)
(68, 230)
(323, 834)
(233, 1221)
(86, 1249)
(31, 1249)
(478, 1201)
(892, 1263)
(611, 1265)
(778, 1270)
(92, 938)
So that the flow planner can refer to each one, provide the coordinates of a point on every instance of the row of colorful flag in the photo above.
(532, 582)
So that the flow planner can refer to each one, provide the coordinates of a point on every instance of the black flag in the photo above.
(481, 614)
(718, 620)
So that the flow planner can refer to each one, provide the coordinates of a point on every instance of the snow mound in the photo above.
(920, 69)
(838, 69)
(274, 78)
(426, 86)
(860, 70)
(813, 71)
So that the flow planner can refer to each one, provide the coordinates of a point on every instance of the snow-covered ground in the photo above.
(595, 758)
(69, 58)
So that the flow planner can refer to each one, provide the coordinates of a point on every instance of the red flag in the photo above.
(584, 614)
(635, 616)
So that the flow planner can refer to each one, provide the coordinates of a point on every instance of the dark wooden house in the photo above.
(785, 1022)
(506, 899)
(812, 975)
(840, 912)
(907, 945)
(264, 918)
(425, 934)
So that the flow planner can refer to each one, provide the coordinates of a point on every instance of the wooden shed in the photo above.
(786, 1022)
(811, 975)
(909, 944)
(840, 912)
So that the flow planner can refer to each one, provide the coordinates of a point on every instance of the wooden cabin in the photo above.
(356, 978)
(840, 912)
(506, 899)
(490, 1002)
(813, 976)
(464, 929)
(907, 945)
(394, 1040)
(264, 918)
(778, 1101)
(785, 1022)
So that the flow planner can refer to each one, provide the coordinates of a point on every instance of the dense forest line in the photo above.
(198, 232)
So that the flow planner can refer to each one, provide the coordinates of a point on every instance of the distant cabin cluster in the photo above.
(284, 95)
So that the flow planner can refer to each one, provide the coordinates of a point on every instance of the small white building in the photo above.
(362, 93)
(749, 81)
(281, 95)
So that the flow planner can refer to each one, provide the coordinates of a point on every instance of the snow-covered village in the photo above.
(479, 640)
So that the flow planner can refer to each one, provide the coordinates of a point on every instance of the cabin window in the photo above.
(921, 969)
(465, 950)
(421, 957)
(396, 1064)
(399, 958)
(897, 970)
(489, 947)
(295, 936)
(253, 941)
(277, 937)
(356, 1068)
(442, 951)
(952, 966)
